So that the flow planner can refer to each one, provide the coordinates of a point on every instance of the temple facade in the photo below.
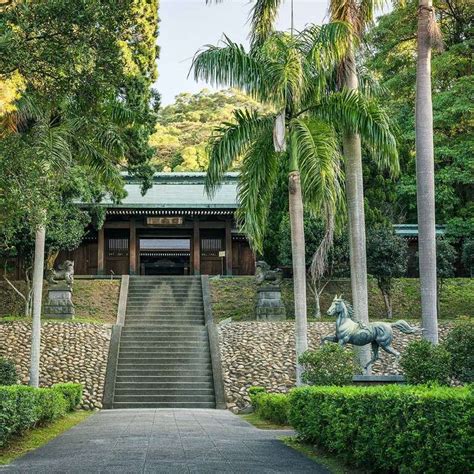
(173, 229)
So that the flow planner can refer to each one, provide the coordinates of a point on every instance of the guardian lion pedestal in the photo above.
(59, 304)
(269, 305)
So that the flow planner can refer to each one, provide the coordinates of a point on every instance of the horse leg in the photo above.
(375, 355)
(329, 338)
(388, 348)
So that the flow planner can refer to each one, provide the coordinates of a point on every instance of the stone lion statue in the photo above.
(264, 275)
(65, 272)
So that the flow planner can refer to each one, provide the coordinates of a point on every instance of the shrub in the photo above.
(388, 428)
(425, 363)
(329, 365)
(22, 407)
(271, 407)
(72, 392)
(8, 373)
(460, 344)
(252, 391)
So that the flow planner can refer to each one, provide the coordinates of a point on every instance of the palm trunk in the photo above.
(425, 186)
(355, 206)
(299, 267)
(38, 270)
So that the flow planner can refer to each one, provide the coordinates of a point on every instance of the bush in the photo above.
(388, 428)
(426, 363)
(72, 392)
(22, 407)
(271, 407)
(252, 391)
(8, 373)
(460, 344)
(329, 365)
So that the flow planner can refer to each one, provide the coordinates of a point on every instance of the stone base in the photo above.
(269, 305)
(59, 304)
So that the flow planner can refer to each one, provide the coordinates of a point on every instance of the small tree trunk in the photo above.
(425, 186)
(355, 206)
(388, 304)
(317, 305)
(299, 268)
(38, 270)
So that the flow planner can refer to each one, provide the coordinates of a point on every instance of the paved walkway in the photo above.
(165, 441)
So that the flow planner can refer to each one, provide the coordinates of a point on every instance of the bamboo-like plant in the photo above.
(294, 75)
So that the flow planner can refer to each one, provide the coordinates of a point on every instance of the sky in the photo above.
(187, 25)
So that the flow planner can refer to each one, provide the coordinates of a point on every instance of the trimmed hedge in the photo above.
(23, 407)
(8, 372)
(389, 428)
(270, 406)
(72, 393)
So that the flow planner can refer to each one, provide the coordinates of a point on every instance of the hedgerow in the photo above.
(389, 428)
(22, 408)
(270, 406)
(72, 393)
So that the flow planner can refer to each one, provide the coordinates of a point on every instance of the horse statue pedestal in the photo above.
(59, 304)
(269, 304)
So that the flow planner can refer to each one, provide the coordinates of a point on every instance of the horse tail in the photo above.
(403, 326)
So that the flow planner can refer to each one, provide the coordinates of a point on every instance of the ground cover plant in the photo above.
(23, 408)
(388, 428)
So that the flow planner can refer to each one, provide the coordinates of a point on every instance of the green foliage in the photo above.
(329, 365)
(271, 407)
(71, 392)
(253, 391)
(445, 258)
(391, 55)
(22, 407)
(388, 428)
(460, 344)
(426, 363)
(184, 128)
(387, 256)
(468, 256)
(8, 372)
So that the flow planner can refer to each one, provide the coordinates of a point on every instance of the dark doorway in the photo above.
(165, 255)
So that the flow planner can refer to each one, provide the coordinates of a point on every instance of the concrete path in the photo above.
(165, 441)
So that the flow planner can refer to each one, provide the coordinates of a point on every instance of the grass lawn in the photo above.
(261, 424)
(37, 437)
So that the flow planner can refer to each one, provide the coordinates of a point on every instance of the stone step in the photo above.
(195, 404)
(165, 298)
(167, 363)
(165, 339)
(208, 392)
(167, 324)
(164, 357)
(172, 348)
(156, 321)
(190, 398)
(171, 332)
(144, 368)
(152, 377)
(204, 385)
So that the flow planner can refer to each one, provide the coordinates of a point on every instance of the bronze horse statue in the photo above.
(351, 331)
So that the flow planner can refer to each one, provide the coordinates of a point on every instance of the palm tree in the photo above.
(56, 139)
(293, 75)
(428, 34)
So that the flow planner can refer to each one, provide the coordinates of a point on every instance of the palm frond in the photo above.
(230, 65)
(231, 140)
(262, 19)
(355, 113)
(319, 162)
(257, 180)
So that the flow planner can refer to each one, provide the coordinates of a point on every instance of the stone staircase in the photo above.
(164, 358)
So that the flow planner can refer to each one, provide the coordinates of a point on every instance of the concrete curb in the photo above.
(111, 371)
(217, 373)
(114, 347)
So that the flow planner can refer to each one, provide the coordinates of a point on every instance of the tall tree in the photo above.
(294, 76)
(425, 185)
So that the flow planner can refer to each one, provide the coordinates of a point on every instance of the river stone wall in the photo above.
(70, 352)
(262, 353)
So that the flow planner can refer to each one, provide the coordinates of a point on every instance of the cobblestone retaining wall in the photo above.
(70, 352)
(262, 353)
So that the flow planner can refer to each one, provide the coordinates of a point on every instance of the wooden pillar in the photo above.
(132, 251)
(101, 252)
(196, 247)
(228, 247)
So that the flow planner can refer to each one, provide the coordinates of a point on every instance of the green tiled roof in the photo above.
(179, 191)
(411, 230)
